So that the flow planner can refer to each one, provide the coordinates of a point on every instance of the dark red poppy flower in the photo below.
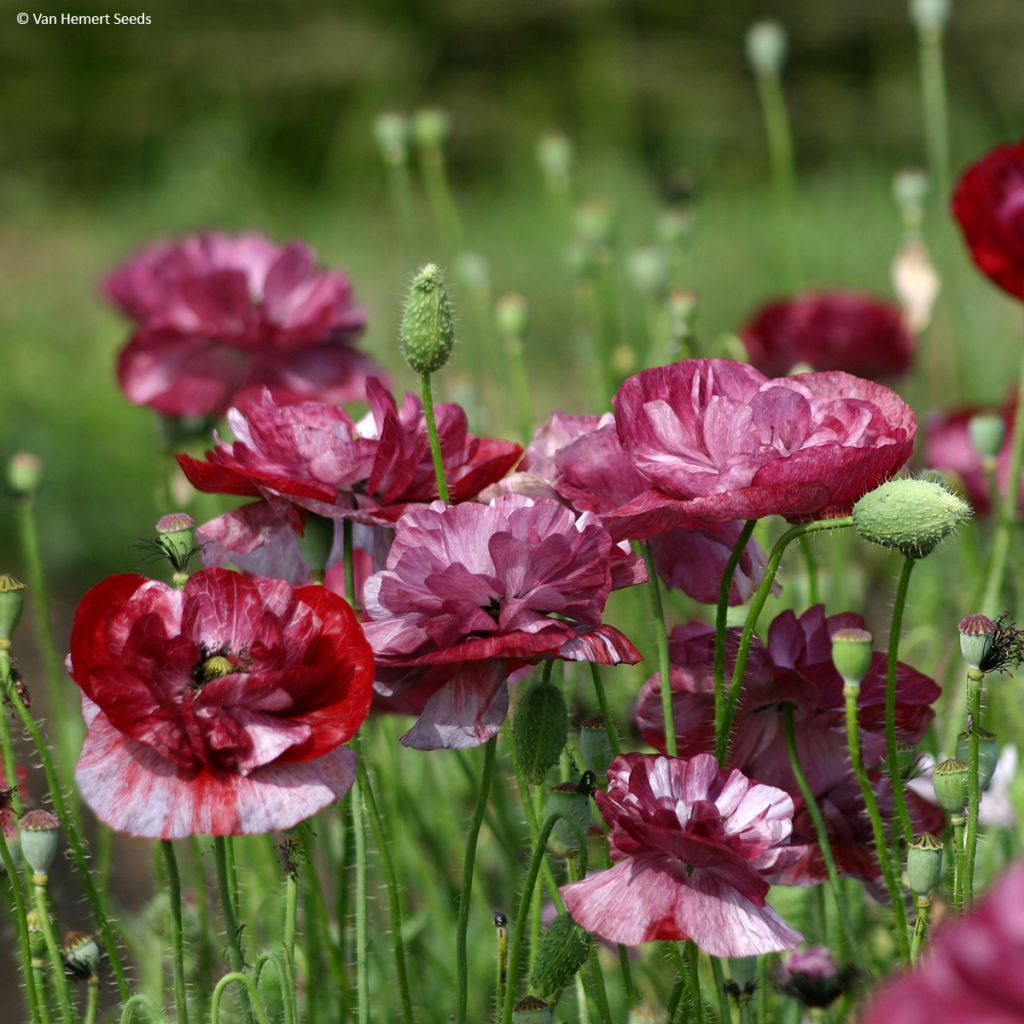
(472, 591)
(847, 331)
(717, 440)
(988, 203)
(696, 846)
(796, 667)
(218, 317)
(973, 969)
(219, 709)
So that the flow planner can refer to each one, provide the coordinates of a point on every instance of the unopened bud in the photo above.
(595, 746)
(987, 432)
(81, 956)
(988, 752)
(12, 604)
(950, 783)
(540, 726)
(39, 831)
(924, 863)
(767, 45)
(24, 474)
(392, 132)
(562, 952)
(910, 516)
(852, 654)
(177, 539)
(428, 328)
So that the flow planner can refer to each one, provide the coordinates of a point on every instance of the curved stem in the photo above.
(974, 682)
(661, 646)
(892, 759)
(174, 892)
(435, 444)
(924, 904)
(252, 998)
(227, 901)
(142, 1000)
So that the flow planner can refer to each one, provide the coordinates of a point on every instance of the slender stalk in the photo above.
(435, 444)
(851, 692)
(400, 187)
(291, 909)
(762, 989)
(892, 759)
(174, 892)
(974, 687)
(92, 999)
(958, 821)
(362, 910)
(692, 972)
(661, 646)
(461, 935)
(227, 902)
(849, 940)
(606, 713)
(813, 594)
(251, 996)
(435, 180)
(53, 950)
(24, 948)
(723, 998)
(924, 904)
(933, 94)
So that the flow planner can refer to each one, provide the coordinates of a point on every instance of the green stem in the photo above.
(661, 646)
(435, 444)
(851, 692)
(974, 686)
(291, 910)
(227, 902)
(24, 948)
(849, 940)
(723, 998)
(813, 594)
(606, 713)
(435, 178)
(252, 998)
(892, 757)
(53, 950)
(465, 895)
(691, 969)
(521, 385)
(936, 119)
(92, 999)
(174, 892)
(400, 186)
(350, 565)
(153, 1010)
(762, 989)
(362, 910)
(958, 821)
(924, 904)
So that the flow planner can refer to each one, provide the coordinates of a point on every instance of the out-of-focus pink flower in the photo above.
(218, 317)
(696, 846)
(796, 667)
(846, 331)
(972, 971)
(472, 590)
(219, 709)
(717, 440)
(813, 977)
(988, 203)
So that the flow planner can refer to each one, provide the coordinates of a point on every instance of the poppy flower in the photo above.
(972, 970)
(695, 846)
(846, 331)
(472, 592)
(219, 709)
(219, 316)
(795, 667)
(719, 441)
(988, 204)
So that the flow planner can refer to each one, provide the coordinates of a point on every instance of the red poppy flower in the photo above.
(973, 970)
(218, 317)
(988, 202)
(473, 590)
(696, 846)
(219, 709)
(846, 331)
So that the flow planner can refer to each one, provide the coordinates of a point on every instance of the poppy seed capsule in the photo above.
(562, 952)
(531, 1010)
(81, 956)
(428, 327)
(39, 833)
(930, 15)
(987, 432)
(539, 730)
(852, 654)
(12, 604)
(924, 863)
(909, 516)
(24, 474)
(767, 46)
(595, 746)
(950, 783)
(977, 635)
(176, 535)
(988, 753)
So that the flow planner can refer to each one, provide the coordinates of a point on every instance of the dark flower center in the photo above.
(218, 665)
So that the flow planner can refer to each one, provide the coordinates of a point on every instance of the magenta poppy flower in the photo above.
(988, 203)
(845, 331)
(219, 709)
(473, 591)
(218, 317)
(795, 666)
(695, 846)
(972, 971)
(717, 440)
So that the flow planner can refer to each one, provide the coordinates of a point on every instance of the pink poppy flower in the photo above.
(973, 969)
(696, 846)
(846, 331)
(717, 440)
(795, 666)
(219, 709)
(218, 317)
(473, 591)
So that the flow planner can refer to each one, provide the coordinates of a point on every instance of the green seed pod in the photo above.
(562, 952)
(977, 635)
(39, 831)
(930, 15)
(12, 604)
(910, 516)
(767, 46)
(176, 537)
(428, 327)
(316, 541)
(81, 956)
(852, 654)
(595, 745)
(924, 863)
(539, 730)
(24, 474)
(950, 782)
(988, 753)
(431, 127)
(569, 800)
(512, 317)
(987, 432)
(392, 133)
(555, 159)
(531, 1010)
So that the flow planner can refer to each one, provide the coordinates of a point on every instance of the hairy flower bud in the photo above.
(531, 1010)
(988, 752)
(852, 654)
(12, 603)
(595, 746)
(539, 729)
(562, 952)
(392, 133)
(767, 45)
(950, 783)
(910, 516)
(428, 327)
(39, 832)
(987, 432)
(24, 474)
(924, 863)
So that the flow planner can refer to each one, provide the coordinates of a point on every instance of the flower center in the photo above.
(216, 666)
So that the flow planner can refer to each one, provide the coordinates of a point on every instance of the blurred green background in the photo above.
(259, 113)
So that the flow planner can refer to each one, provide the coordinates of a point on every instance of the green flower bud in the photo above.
(555, 159)
(987, 432)
(24, 474)
(930, 15)
(988, 753)
(950, 782)
(392, 133)
(562, 952)
(573, 802)
(910, 516)
(852, 654)
(12, 604)
(39, 831)
(81, 956)
(977, 637)
(316, 541)
(924, 863)
(428, 328)
(649, 271)
(531, 1010)
(512, 317)
(767, 45)
(431, 127)
(540, 726)
(595, 745)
